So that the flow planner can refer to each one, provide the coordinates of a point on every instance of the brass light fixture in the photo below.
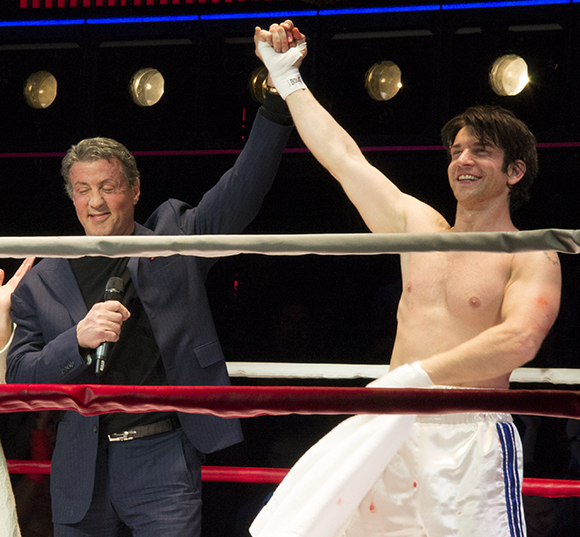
(40, 89)
(147, 86)
(383, 81)
(508, 75)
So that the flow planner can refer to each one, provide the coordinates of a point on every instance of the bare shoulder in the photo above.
(551, 258)
(422, 218)
(534, 290)
(547, 261)
(538, 269)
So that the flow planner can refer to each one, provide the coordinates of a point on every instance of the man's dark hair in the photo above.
(498, 126)
(94, 149)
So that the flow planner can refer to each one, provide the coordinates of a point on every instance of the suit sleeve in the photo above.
(42, 350)
(235, 200)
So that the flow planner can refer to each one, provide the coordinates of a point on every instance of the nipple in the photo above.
(474, 302)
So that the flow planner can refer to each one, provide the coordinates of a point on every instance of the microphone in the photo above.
(113, 291)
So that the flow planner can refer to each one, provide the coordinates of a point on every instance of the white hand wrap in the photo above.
(280, 65)
(405, 376)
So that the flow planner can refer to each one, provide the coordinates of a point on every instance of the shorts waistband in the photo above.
(465, 417)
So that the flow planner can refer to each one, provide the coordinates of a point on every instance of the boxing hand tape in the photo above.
(280, 65)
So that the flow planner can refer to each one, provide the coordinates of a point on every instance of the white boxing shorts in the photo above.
(456, 475)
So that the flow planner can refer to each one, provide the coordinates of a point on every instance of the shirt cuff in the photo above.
(276, 110)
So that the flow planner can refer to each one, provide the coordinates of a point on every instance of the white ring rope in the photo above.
(293, 370)
(560, 240)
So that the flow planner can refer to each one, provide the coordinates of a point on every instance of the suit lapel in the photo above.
(59, 278)
(136, 262)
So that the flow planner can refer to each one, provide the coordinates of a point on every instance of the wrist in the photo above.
(288, 82)
(86, 355)
(275, 109)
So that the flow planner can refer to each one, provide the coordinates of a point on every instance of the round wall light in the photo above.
(147, 86)
(508, 75)
(383, 81)
(258, 82)
(40, 89)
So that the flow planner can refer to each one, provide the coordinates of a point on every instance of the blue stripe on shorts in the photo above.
(511, 476)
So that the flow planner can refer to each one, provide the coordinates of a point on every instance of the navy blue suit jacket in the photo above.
(48, 304)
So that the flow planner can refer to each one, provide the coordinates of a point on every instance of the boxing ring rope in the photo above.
(257, 401)
(254, 401)
(229, 401)
(559, 240)
(548, 488)
(291, 370)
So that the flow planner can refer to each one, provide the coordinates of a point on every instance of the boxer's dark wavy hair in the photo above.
(93, 149)
(496, 125)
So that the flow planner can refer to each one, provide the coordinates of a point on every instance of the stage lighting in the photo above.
(258, 83)
(40, 89)
(383, 81)
(147, 86)
(509, 75)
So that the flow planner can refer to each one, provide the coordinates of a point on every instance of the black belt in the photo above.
(145, 430)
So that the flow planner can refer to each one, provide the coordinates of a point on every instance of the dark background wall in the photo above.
(308, 308)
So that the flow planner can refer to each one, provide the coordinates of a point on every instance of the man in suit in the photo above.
(136, 471)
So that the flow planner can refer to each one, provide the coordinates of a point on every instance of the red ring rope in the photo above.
(548, 488)
(245, 402)
(228, 401)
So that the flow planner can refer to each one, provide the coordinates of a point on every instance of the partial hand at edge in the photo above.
(6, 291)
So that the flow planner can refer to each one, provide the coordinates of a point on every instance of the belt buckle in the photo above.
(122, 437)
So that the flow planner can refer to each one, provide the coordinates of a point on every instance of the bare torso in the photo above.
(449, 298)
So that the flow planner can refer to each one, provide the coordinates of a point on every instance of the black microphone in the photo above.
(113, 291)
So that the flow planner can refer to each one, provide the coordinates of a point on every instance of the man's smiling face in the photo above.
(104, 204)
(476, 171)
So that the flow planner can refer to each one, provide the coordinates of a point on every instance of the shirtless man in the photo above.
(465, 319)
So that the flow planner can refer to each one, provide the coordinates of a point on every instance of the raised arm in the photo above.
(382, 205)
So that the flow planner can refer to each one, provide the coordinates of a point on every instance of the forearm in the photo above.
(325, 138)
(31, 361)
(381, 204)
(332, 146)
(236, 199)
(492, 354)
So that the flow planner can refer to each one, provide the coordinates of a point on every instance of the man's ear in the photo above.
(515, 171)
(137, 192)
